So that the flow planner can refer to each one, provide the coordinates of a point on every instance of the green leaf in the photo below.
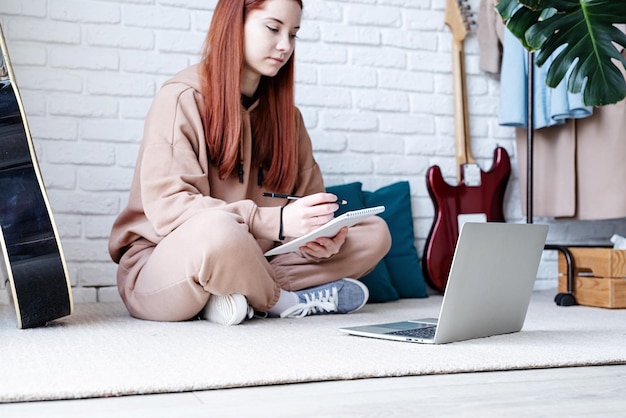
(581, 37)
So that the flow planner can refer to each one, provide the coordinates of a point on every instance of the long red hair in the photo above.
(274, 128)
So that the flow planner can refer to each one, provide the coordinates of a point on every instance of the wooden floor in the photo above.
(571, 392)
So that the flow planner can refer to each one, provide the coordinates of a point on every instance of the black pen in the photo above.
(291, 197)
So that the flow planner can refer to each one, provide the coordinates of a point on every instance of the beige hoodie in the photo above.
(174, 179)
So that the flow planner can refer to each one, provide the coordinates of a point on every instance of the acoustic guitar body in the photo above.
(35, 268)
(454, 202)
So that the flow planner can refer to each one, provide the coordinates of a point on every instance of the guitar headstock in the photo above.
(457, 17)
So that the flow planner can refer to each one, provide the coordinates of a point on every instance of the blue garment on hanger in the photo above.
(552, 106)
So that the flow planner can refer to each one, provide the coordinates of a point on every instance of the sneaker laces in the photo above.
(322, 301)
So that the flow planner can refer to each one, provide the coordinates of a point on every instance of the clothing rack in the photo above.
(564, 298)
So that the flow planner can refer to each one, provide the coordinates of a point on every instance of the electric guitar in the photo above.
(35, 267)
(479, 195)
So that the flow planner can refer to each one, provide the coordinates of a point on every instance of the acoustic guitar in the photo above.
(479, 195)
(34, 263)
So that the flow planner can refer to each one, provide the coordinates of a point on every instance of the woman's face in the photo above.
(269, 40)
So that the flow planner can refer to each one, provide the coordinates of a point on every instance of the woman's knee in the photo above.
(214, 235)
(374, 234)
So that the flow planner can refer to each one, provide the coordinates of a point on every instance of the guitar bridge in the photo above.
(471, 175)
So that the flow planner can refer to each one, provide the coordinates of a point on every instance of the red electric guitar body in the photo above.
(450, 203)
(479, 195)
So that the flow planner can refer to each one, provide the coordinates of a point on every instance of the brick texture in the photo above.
(374, 83)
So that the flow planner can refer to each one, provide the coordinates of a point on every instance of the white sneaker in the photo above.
(227, 310)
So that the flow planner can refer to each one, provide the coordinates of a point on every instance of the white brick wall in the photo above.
(374, 85)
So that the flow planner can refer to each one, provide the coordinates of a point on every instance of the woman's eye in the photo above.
(272, 29)
(294, 36)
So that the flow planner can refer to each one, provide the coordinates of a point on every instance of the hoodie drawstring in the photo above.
(259, 177)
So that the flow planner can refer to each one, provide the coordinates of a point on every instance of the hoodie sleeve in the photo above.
(174, 174)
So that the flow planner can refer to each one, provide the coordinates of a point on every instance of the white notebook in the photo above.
(329, 229)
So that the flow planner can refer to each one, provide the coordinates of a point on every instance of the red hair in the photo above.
(274, 127)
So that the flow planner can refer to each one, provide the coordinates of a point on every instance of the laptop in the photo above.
(490, 282)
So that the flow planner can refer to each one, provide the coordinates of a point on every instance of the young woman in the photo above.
(219, 134)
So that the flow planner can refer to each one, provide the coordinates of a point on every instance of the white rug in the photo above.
(101, 351)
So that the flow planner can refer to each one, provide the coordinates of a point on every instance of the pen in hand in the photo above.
(291, 197)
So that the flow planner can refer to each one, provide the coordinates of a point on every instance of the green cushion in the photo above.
(402, 261)
(378, 281)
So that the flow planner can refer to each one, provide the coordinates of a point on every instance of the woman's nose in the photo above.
(284, 44)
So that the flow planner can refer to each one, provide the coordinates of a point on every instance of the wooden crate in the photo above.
(599, 276)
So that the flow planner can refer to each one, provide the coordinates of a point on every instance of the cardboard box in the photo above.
(599, 276)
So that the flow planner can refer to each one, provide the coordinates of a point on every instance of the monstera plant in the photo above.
(582, 38)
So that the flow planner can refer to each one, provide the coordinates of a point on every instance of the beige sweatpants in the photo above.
(216, 254)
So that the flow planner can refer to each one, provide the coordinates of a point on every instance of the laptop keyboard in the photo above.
(425, 332)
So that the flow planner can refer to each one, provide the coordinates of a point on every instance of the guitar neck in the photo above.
(461, 124)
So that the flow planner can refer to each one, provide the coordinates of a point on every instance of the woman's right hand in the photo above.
(308, 213)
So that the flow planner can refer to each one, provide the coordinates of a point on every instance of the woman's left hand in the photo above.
(323, 248)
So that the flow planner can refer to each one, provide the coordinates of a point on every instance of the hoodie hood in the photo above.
(189, 77)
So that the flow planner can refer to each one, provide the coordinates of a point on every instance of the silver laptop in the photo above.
(488, 290)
